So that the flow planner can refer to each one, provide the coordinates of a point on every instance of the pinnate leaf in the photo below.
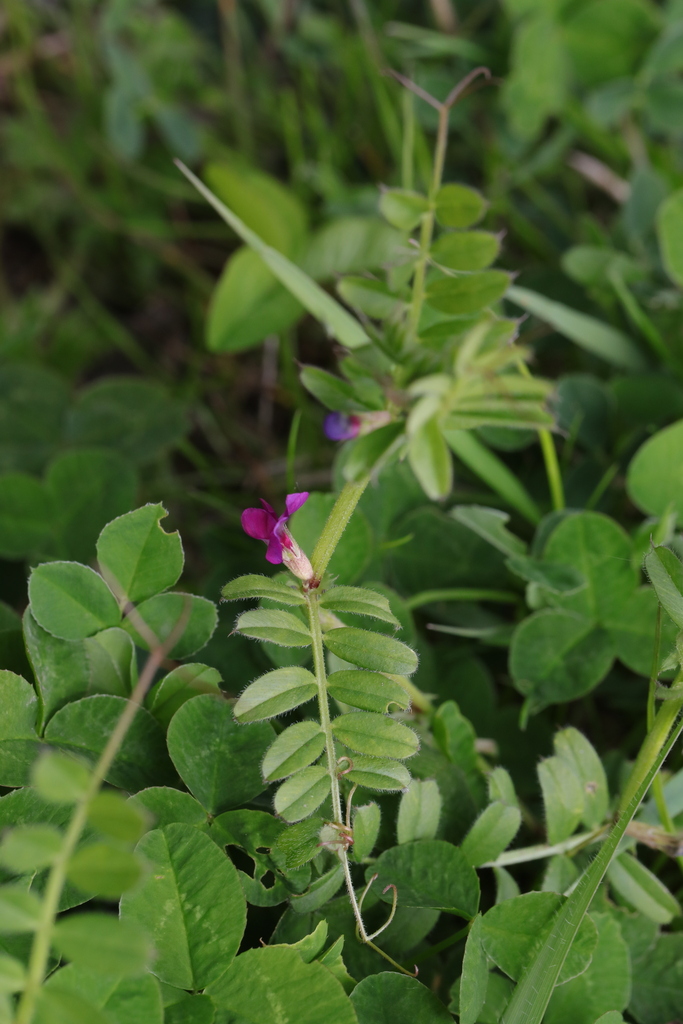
(276, 627)
(369, 691)
(253, 586)
(295, 748)
(371, 650)
(302, 794)
(377, 735)
(274, 693)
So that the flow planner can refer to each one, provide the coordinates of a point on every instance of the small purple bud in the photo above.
(340, 427)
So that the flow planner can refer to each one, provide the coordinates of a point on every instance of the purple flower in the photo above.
(340, 427)
(263, 524)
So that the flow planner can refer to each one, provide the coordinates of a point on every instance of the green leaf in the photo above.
(493, 471)
(299, 844)
(368, 452)
(20, 911)
(601, 551)
(12, 975)
(557, 656)
(658, 981)
(193, 904)
(642, 890)
(136, 417)
(267, 206)
(102, 943)
(33, 402)
(179, 686)
(514, 930)
(430, 460)
(29, 848)
(71, 601)
(26, 515)
(113, 815)
(366, 822)
(377, 735)
(251, 587)
(605, 985)
(295, 748)
(371, 650)
(666, 575)
(217, 759)
(390, 998)
(163, 613)
(369, 296)
(459, 296)
(331, 391)
(302, 794)
(580, 756)
(19, 742)
(66, 670)
(489, 524)
(274, 984)
(469, 250)
(319, 892)
(84, 726)
(428, 873)
(650, 483)
(54, 1006)
(349, 245)
(88, 488)
(167, 806)
(558, 579)
(402, 208)
(137, 557)
(379, 773)
(275, 626)
(419, 811)
(104, 870)
(593, 335)
(563, 798)
(196, 1009)
(369, 691)
(274, 693)
(475, 976)
(322, 306)
(135, 1000)
(491, 833)
(247, 305)
(249, 829)
(60, 779)
(669, 227)
(359, 601)
(458, 206)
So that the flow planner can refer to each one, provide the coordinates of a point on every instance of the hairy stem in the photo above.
(40, 950)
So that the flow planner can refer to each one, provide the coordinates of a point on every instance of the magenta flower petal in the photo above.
(268, 508)
(293, 502)
(257, 523)
(274, 550)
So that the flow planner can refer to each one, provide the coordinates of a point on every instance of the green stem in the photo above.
(323, 701)
(532, 995)
(654, 743)
(552, 466)
(427, 223)
(539, 852)
(336, 523)
(40, 950)
(460, 594)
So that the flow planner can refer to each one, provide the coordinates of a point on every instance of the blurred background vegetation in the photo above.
(145, 356)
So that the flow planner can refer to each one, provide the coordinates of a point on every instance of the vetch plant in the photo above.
(305, 757)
